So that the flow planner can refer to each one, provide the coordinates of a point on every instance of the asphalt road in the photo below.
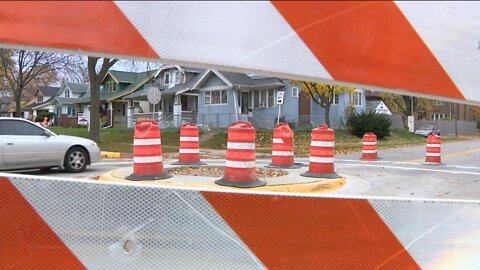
(399, 172)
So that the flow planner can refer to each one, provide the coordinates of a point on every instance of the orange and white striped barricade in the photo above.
(47, 223)
(322, 152)
(240, 169)
(189, 147)
(147, 152)
(282, 148)
(369, 147)
(434, 143)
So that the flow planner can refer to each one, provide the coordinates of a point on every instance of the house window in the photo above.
(264, 98)
(178, 76)
(110, 87)
(356, 99)
(40, 99)
(59, 111)
(271, 98)
(335, 99)
(167, 78)
(295, 91)
(67, 93)
(216, 97)
(71, 111)
(436, 117)
(438, 102)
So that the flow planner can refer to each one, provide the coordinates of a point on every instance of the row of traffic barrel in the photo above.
(240, 166)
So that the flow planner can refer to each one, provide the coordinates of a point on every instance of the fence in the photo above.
(448, 127)
(213, 122)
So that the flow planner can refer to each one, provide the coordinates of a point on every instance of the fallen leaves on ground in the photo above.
(215, 171)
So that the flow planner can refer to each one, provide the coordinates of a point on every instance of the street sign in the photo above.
(154, 95)
(280, 95)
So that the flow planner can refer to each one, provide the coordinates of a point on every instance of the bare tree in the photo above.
(24, 69)
(96, 75)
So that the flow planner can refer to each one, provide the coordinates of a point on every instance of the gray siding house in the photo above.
(338, 109)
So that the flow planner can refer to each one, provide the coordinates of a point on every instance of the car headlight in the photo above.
(94, 144)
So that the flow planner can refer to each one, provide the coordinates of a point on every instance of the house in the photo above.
(66, 101)
(7, 102)
(217, 98)
(177, 97)
(115, 86)
(44, 97)
(443, 109)
(338, 108)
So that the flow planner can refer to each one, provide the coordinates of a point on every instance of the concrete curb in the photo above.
(105, 154)
(316, 186)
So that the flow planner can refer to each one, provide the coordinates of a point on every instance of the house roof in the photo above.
(140, 94)
(183, 87)
(242, 80)
(78, 87)
(139, 80)
(123, 76)
(64, 100)
(37, 105)
(49, 91)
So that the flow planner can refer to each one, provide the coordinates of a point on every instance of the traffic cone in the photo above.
(189, 148)
(322, 152)
(282, 148)
(434, 143)
(369, 147)
(240, 169)
(147, 152)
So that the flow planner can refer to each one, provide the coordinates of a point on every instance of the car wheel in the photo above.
(76, 160)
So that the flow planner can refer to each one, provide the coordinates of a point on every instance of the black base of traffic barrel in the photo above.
(433, 163)
(321, 175)
(190, 163)
(293, 166)
(249, 184)
(134, 177)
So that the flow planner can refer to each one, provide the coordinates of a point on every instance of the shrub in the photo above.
(41, 115)
(359, 124)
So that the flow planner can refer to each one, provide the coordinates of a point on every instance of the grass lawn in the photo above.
(121, 140)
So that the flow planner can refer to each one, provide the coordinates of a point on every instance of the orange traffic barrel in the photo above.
(147, 152)
(322, 152)
(434, 143)
(282, 148)
(240, 169)
(189, 147)
(369, 147)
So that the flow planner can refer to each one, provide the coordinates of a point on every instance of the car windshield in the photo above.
(426, 128)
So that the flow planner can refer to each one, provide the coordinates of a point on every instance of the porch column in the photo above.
(110, 114)
(177, 112)
(130, 112)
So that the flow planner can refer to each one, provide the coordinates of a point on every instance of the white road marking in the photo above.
(410, 169)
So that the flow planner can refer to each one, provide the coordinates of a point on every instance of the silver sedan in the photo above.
(25, 145)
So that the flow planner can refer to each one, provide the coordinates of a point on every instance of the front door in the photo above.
(245, 102)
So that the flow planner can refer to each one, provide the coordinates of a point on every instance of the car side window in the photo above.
(13, 127)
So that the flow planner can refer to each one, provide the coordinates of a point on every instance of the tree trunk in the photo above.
(18, 106)
(95, 111)
(327, 114)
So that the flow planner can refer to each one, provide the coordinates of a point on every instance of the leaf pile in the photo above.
(215, 171)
